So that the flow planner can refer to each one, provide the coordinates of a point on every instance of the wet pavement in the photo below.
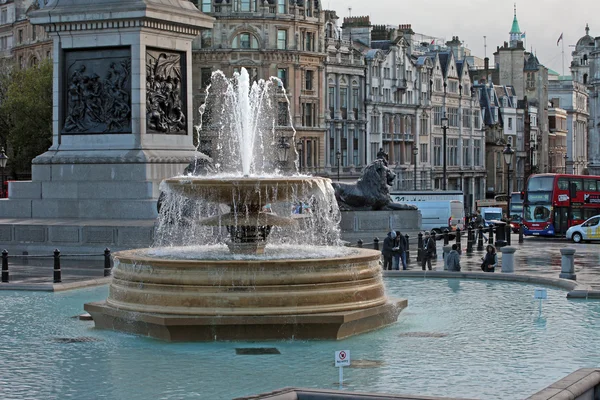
(536, 256)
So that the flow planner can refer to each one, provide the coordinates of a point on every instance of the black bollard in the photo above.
(359, 243)
(107, 268)
(5, 266)
(480, 239)
(407, 249)
(419, 246)
(470, 239)
(491, 236)
(57, 272)
(508, 233)
(521, 233)
(446, 237)
(376, 243)
(458, 238)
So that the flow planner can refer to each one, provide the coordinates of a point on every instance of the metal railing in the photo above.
(56, 256)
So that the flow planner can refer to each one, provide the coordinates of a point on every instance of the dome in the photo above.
(585, 41)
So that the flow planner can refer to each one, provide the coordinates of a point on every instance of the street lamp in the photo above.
(3, 160)
(508, 159)
(299, 147)
(282, 151)
(444, 129)
(566, 157)
(415, 153)
(338, 155)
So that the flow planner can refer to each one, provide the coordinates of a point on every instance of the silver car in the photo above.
(589, 230)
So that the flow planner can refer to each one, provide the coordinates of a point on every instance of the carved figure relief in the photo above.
(98, 93)
(164, 105)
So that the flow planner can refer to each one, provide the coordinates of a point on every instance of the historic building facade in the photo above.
(283, 38)
(594, 121)
(20, 41)
(346, 115)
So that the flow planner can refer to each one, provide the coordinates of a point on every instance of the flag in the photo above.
(559, 39)
(523, 35)
(433, 41)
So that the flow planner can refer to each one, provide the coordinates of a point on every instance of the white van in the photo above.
(440, 215)
(490, 214)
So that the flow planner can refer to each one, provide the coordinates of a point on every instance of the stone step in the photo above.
(81, 190)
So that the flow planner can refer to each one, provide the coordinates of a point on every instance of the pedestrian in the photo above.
(453, 259)
(427, 251)
(490, 260)
(388, 250)
(434, 238)
(400, 251)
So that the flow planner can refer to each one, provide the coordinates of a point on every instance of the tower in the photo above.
(515, 32)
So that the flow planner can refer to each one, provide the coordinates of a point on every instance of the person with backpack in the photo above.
(400, 251)
(453, 259)
(427, 251)
(490, 260)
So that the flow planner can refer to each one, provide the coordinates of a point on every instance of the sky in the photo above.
(543, 21)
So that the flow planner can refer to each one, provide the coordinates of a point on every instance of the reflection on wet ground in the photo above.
(536, 256)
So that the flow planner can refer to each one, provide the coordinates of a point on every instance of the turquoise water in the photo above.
(457, 338)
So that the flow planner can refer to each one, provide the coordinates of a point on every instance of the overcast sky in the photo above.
(542, 20)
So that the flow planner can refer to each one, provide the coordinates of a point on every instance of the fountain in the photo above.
(224, 267)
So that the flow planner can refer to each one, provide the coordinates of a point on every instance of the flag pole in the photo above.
(563, 56)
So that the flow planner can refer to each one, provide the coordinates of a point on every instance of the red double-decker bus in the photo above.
(554, 202)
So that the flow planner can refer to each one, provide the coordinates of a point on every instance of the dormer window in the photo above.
(281, 9)
(206, 6)
(245, 41)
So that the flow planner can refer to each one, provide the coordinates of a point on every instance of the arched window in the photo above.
(585, 76)
(33, 62)
(245, 40)
(585, 59)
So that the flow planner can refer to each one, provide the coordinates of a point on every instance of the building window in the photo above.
(245, 41)
(308, 114)
(283, 114)
(453, 86)
(309, 41)
(466, 152)
(355, 144)
(477, 152)
(308, 79)
(437, 151)
(282, 74)
(206, 6)
(4, 17)
(452, 116)
(3, 43)
(355, 104)
(344, 102)
(466, 118)
(423, 152)
(331, 101)
(205, 76)
(281, 6)
(438, 85)
(33, 34)
(453, 152)
(20, 36)
(476, 114)
(437, 115)
(510, 123)
(281, 39)
(424, 128)
(206, 39)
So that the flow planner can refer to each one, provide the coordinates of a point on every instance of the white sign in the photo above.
(563, 197)
(342, 358)
(541, 294)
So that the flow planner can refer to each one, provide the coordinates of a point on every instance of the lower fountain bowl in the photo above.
(202, 300)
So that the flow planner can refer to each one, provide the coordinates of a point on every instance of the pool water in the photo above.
(475, 339)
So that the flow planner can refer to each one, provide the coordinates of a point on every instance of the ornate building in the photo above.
(283, 38)
(594, 121)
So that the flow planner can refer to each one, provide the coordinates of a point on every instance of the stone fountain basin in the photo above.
(245, 190)
(246, 287)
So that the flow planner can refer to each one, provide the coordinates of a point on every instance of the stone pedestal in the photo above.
(113, 143)
(508, 259)
(366, 225)
(567, 264)
(122, 100)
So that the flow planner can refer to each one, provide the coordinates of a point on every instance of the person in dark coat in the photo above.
(490, 260)
(427, 251)
(400, 252)
(453, 259)
(388, 250)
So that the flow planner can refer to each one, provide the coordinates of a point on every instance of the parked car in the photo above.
(589, 230)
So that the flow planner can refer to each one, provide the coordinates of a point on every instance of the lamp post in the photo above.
(338, 155)
(299, 147)
(508, 157)
(415, 153)
(444, 130)
(566, 157)
(282, 151)
(3, 160)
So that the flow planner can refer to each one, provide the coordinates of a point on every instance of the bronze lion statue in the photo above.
(371, 191)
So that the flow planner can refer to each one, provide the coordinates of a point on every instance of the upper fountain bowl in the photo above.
(246, 190)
